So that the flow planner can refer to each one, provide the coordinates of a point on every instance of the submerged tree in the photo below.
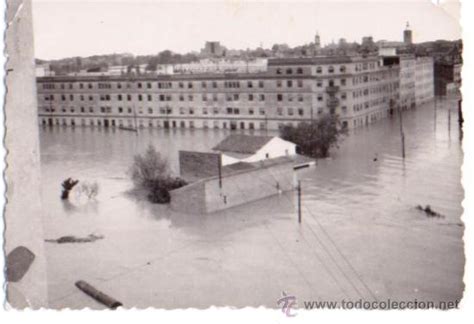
(150, 171)
(317, 137)
(67, 185)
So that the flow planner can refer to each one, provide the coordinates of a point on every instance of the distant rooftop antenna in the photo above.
(408, 25)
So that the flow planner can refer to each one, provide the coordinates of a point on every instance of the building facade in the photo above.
(407, 81)
(447, 77)
(358, 89)
(424, 80)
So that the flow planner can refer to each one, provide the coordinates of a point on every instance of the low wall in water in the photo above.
(240, 187)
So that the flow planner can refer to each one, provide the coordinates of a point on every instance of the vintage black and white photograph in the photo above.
(292, 155)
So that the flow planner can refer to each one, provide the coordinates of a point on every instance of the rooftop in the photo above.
(245, 144)
(326, 59)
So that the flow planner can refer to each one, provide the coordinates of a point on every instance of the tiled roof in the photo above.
(246, 144)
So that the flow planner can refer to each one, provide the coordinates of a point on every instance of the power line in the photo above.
(276, 240)
(339, 252)
(333, 259)
(331, 274)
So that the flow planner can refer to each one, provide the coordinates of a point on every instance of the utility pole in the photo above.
(449, 121)
(402, 134)
(298, 189)
(460, 117)
(266, 123)
(50, 110)
(219, 171)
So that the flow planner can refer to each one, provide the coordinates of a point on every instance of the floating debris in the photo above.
(98, 295)
(429, 212)
(73, 239)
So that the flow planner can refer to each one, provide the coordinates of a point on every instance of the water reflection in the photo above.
(91, 207)
(365, 194)
(367, 168)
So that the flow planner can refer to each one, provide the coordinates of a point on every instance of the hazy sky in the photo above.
(65, 28)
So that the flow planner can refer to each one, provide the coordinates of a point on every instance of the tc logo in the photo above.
(287, 302)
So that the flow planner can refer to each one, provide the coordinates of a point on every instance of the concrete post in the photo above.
(23, 211)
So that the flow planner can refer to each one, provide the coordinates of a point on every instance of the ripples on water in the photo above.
(364, 183)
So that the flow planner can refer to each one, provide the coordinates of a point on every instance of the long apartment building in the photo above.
(360, 90)
(424, 80)
(407, 81)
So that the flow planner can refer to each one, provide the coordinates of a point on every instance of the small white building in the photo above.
(250, 148)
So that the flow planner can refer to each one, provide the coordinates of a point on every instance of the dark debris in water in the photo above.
(429, 212)
(73, 239)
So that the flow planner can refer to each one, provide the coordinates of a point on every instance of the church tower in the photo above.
(407, 35)
(317, 42)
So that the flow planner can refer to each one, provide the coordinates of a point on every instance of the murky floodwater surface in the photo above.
(361, 235)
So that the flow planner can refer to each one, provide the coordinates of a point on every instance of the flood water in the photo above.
(360, 237)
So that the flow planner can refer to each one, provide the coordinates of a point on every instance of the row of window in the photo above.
(385, 88)
(235, 84)
(155, 123)
(289, 70)
(331, 69)
(159, 85)
(228, 97)
(180, 85)
(320, 97)
(236, 97)
(370, 103)
(182, 110)
(232, 97)
(235, 124)
(319, 70)
(290, 97)
(167, 97)
(289, 83)
(367, 66)
(331, 83)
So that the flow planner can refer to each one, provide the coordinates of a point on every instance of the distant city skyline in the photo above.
(71, 28)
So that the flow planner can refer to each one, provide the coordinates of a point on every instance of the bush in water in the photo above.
(90, 190)
(150, 171)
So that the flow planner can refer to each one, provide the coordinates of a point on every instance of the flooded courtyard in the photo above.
(361, 235)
